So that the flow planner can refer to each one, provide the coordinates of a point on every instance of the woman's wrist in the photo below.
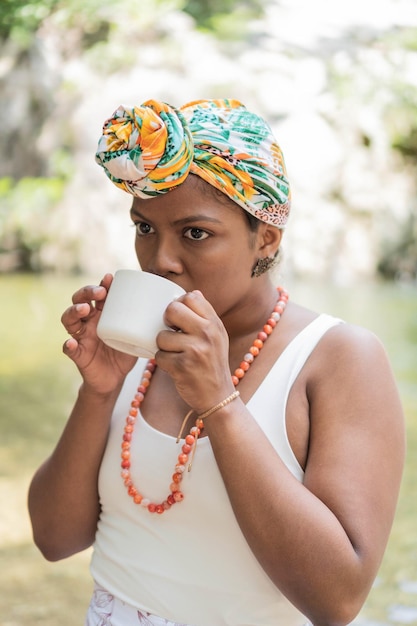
(91, 393)
(219, 405)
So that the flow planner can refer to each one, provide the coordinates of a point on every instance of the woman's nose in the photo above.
(165, 259)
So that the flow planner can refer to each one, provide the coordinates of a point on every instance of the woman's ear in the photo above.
(269, 240)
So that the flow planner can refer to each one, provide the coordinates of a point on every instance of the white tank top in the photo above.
(192, 564)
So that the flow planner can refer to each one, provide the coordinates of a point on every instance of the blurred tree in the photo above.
(226, 18)
(19, 17)
(25, 209)
(367, 76)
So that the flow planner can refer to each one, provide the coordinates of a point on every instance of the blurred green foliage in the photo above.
(228, 19)
(20, 19)
(21, 16)
(25, 207)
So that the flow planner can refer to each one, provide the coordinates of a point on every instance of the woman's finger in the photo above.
(187, 312)
(70, 347)
(72, 318)
(89, 293)
(105, 282)
(85, 301)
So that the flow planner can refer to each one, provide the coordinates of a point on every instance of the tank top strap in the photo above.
(268, 404)
(295, 355)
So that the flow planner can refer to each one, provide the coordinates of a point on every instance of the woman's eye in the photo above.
(197, 234)
(142, 228)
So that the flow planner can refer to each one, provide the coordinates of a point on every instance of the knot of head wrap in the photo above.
(151, 149)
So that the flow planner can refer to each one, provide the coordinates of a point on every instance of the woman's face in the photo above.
(198, 241)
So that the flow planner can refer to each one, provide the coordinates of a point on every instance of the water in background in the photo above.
(37, 385)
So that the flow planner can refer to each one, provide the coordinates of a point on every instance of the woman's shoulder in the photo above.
(341, 342)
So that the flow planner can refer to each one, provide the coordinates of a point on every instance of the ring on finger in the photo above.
(77, 332)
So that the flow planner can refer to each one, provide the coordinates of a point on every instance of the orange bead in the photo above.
(190, 440)
(177, 477)
(254, 350)
(182, 459)
(137, 498)
(235, 380)
(244, 366)
(258, 344)
(267, 329)
(239, 373)
(159, 509)
(178, 496)
(186, 448)
(151, 507)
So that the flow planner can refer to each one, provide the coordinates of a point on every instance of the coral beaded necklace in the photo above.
(190, 443)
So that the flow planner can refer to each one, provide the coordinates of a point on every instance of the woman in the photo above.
(287, 510)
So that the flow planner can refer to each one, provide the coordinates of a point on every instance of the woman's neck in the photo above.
(245, 320)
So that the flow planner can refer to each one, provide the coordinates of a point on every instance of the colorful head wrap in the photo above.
(151, 149)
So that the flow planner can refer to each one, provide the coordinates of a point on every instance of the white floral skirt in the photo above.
(106, 610)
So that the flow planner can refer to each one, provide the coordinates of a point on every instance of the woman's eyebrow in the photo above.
(135, 213)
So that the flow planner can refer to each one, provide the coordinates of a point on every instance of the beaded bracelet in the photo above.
(221, 404)
(201, 417)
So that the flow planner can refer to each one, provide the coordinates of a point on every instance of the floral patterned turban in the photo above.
(150, 149)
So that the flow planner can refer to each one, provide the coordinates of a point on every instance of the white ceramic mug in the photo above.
(133, 312)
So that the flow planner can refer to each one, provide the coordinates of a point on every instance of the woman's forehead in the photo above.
(193, 198)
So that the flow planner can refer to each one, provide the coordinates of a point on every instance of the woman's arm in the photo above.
(63, 495)
(322, 542)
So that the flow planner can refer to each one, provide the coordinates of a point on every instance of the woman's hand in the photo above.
(197, 356)
(102, 368)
